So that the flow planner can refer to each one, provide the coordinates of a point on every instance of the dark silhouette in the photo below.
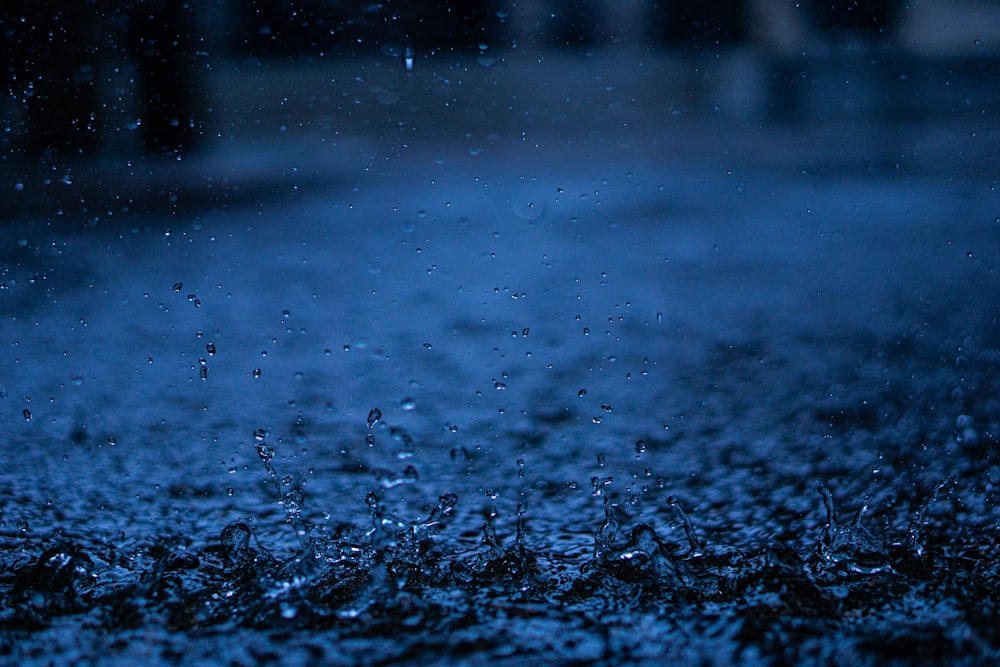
(700, 23)
(867, 18)
(56, 53)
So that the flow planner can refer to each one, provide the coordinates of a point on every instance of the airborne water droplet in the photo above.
(373, 416)
(27, 414)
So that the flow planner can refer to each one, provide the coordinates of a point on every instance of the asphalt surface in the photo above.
(529, 266)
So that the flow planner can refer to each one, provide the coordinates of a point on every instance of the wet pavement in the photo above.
(706, 384)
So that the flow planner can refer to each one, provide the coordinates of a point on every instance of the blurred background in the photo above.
(98, 85)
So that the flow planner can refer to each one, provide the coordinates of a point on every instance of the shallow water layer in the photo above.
(612, 403)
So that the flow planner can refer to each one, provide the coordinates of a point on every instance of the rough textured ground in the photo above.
(599, 382)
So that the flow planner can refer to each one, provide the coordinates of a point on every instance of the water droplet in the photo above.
(210, 348)
(640, 446)
(259, 435)
(581, 393)
(265, 452)
(235, 540)
(600, 460)
(178, 286)
(599, 483)
(408, 58)
(203, 373)
(27, 414)
(408, 404)
(388, 479)
(256, 373)
(370, 439)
